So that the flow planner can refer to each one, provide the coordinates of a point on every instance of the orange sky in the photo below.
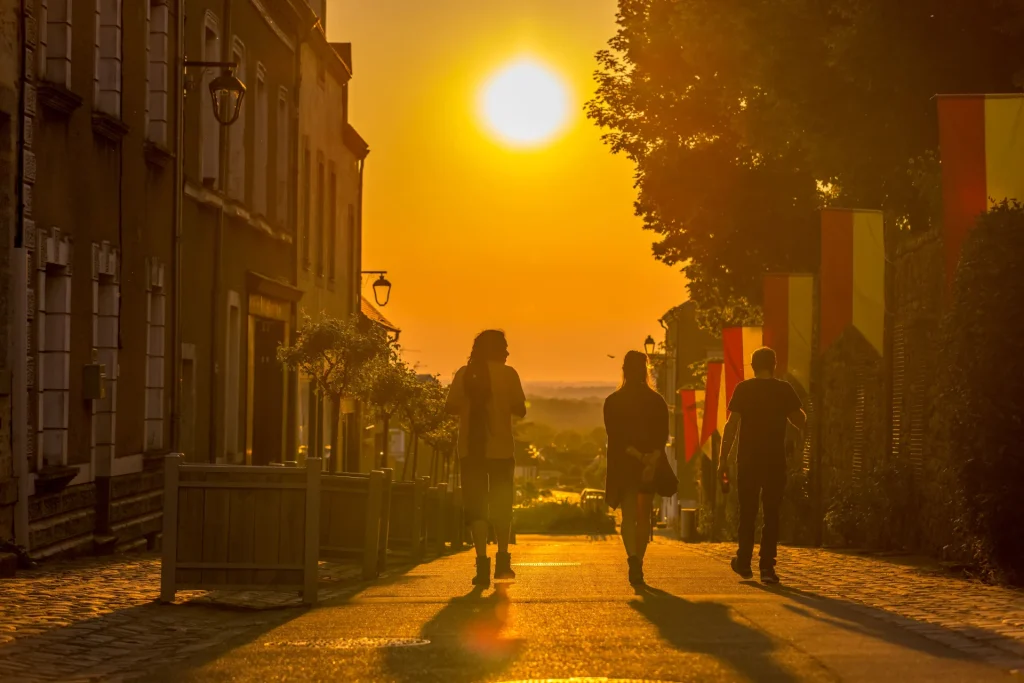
(541, 243)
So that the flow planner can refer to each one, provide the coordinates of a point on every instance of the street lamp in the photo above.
(226, 91)
(381, 286)
(649, 345)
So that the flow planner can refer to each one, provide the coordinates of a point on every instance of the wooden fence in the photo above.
(355, 518)
(406, 534)
(240, 528)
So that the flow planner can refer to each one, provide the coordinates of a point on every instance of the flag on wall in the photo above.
(737, 345)
(852, 275)
(692, 400)
(714, 414)
(981, 143)
(789, 323)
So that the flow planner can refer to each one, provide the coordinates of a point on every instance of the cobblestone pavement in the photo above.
(969, 616)
(98, 619)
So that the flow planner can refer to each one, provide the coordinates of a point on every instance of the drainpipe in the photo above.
(179, 190)
(18, 344)
(216, 310)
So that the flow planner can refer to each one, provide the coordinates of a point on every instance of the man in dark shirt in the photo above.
(760, 408)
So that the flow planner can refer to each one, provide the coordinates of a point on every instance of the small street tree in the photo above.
(335, 354)
(425, 413)
(388, 389)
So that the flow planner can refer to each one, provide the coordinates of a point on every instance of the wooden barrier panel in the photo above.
(406, 532)
(435, 522)
(351, 517)
(240, 528)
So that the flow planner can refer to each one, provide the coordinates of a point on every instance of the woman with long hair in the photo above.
(486, 394)
(636, 419)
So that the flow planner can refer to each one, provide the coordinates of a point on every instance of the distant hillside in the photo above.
(566, 414)
(584, 390)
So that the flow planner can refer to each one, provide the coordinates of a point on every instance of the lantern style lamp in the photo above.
(382, 290)
(227, 93)
(649, 345)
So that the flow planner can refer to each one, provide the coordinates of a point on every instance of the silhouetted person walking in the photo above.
(636, 419)
(760, 408)
(486, 394)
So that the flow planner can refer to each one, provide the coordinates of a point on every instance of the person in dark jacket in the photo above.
(760, 410)
(636, 419)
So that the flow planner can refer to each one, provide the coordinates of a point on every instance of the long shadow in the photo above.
(708, 628)
(876, 623)
(466, 641)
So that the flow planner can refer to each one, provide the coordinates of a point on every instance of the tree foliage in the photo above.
(335, 354)
(745, 118)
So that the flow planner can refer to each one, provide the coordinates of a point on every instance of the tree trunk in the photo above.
(386, 446)
(336, 454)
(415, 455)
(405, 465)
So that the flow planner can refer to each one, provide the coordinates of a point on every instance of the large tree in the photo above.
(745, 117)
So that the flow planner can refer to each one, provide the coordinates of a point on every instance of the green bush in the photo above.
(560, 517)
(983, 394)
(879, 509)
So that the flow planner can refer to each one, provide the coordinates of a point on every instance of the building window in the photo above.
(106, 314)
(54, 24)
(283, 148)
(107, 91)
(259, 184)
(209, 127)
(236, 132)
(332, 223)
(233, 378)
(352, 262)
(158, 75)
(320, 214)
(54, 340)
(307, 163)
(156, 343)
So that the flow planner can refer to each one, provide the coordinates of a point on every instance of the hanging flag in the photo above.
(692, 400)
(981, 144)
(852, 275)
(789, 323)
(737, 345)
(714, 415)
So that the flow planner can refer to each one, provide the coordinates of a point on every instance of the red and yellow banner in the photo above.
(852, 275)
(789, 323)
(692, 409)
(714, 413)
(981, 142)
(737, 345)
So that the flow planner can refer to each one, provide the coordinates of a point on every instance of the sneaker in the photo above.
(636, 571)
(483, 572)
(768, 575)
(503, 567)
(742, 568)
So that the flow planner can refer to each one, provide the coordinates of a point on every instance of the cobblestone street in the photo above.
(981, 620)
(97, 619)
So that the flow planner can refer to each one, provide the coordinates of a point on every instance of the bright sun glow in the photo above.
(525, 104)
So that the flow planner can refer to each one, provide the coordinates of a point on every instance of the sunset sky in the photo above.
(476, 233)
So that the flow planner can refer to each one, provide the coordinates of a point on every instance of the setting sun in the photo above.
(525, 103)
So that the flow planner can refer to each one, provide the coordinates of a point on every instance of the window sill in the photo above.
(57, 99)
(157, 155)
(108, 127)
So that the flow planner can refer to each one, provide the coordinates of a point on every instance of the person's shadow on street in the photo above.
(709, 628)
(467, 641)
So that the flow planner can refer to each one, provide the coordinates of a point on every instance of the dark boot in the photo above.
(636, 571)
(503, 567)
(483, 572)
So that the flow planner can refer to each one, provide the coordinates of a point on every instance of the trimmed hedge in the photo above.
(981, 411)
